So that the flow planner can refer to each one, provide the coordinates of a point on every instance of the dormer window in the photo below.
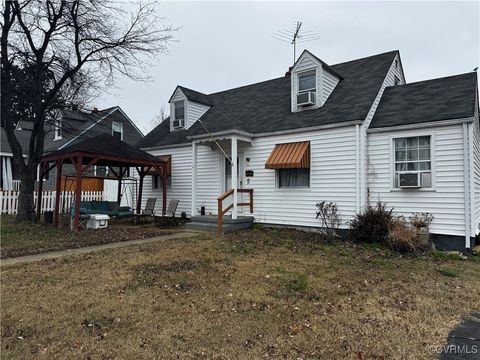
(307, 87)
(179, 115)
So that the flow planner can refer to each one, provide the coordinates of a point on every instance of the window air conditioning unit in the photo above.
(306, 98)
(410, 180)
(178, 123)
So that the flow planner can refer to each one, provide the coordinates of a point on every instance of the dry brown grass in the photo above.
(33, 238)
(256, 294)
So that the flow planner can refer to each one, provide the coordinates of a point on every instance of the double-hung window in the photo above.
(307, 82)
(413, 156)
(117, 130)
(179, 115)
(58, 129)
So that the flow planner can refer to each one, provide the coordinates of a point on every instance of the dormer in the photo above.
(312, 82)
(186, 107)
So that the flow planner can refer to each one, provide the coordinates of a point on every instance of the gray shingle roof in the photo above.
(107, 145)
(194, 96)
(23, 137)
(446, 98)
(265, 106)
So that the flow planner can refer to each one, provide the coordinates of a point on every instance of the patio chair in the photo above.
(148, 212)
(169, 217)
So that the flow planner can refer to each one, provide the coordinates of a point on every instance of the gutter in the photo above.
(455, 121)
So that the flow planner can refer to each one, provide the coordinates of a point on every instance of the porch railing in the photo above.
(225, 195)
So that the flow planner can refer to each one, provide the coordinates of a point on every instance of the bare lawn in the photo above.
(255, 294)
(26, 239)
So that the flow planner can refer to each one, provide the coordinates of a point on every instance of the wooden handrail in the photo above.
(225, 194)
(222, 211)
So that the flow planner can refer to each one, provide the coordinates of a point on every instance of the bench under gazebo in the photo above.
(102, 150)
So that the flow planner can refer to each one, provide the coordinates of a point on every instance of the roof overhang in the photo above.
(422, 125)
(223, 135)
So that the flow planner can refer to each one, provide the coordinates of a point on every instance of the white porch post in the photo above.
(234, 176)
(194, 179)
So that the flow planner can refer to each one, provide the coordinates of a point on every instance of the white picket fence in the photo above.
(9, 200)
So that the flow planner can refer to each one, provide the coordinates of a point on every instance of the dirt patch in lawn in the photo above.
(34, 238)
(254, 294)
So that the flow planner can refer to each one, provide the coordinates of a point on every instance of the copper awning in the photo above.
(290, 156)
(168, 160)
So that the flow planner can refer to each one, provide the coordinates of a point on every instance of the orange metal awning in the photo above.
(290, 156)
(168, 160)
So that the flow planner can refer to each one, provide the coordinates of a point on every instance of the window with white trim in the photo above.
(179, 115)
(307, 82)
(117, 130)
(58, 129)
(292, 178)
(413, 156)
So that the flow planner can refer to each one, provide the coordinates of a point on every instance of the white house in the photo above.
(352, 133)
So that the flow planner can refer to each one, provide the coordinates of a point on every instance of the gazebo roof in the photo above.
(108, 150)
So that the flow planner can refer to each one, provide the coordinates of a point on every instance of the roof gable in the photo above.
(192, 95)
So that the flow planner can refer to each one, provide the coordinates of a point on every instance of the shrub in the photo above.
(329, 217)
(402, 236)
(372, 225)
(421, 220)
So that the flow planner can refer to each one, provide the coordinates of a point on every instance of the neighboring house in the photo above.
(353, 133)
(68, 128)
(71, 127)
(9, 177)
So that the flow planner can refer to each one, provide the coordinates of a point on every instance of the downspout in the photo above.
(357, 168)
(466, 182)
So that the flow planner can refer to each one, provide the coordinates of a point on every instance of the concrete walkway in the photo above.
(90, 249)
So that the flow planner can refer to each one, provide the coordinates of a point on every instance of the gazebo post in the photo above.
(141, 173)
(119, 190)
(58, 181)
(40, 188)
(78, 191)
(163, 173)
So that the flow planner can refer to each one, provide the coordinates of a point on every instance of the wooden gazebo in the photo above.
(101, 150)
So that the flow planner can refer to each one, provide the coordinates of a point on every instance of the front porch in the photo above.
(234, 200)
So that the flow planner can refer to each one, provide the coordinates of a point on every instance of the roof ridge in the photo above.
(368, 57)
(435, 79)
(244, 86)
(281, 77)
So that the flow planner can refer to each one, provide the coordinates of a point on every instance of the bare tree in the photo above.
(68, 49)
(158, 118)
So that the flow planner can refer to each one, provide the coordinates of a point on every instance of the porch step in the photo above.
(209, 223)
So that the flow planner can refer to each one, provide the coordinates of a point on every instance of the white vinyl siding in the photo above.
(329, 83)
(394, 71)
(181, 179)
(446, 201)
(332, 178)
(476, 177)
(195, 111)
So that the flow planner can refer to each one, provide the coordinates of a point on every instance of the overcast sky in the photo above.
(222, 45)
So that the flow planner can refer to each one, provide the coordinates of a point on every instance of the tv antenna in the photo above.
(295, 35)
